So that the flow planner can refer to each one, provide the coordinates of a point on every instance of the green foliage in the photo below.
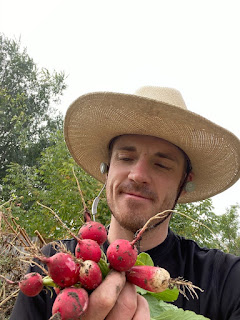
(53, 184)
(207, 228)
(26, 115)
(202, 215)
(229, 229)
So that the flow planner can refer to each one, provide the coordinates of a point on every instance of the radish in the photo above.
(57, 290)
(71, 303)
(32, 284)
(93, 230)
(122, 255)
(150, 278)
(62, 268)
(87, 249)
(90, 275)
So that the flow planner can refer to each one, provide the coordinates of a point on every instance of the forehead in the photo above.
(139, 142)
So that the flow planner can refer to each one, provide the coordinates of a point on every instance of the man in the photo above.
(155, 153)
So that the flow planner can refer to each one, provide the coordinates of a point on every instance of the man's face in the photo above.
(143, 179)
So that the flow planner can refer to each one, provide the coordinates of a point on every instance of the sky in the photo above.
(107, 45)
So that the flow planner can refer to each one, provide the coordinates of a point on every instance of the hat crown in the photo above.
(162, 94)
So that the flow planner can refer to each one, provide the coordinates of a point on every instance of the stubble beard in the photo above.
(133, 220)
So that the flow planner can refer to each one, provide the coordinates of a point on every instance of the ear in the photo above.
(188, 187)
(104, 168)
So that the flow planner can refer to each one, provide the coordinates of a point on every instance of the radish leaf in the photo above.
(144, 259)
(168, 295)
(161, 310)
(179, 314)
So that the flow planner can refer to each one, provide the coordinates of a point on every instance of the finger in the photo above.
(142, 312)
(104, 297)
(126, 304)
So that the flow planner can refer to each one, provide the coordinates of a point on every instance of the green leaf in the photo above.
(104, 267)
(179, 314)
(168, 295)
(160, 310)
(141, 290)
(144, 259)
(48, 282)
(157, 307)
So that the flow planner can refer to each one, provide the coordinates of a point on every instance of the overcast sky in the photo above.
(191, 45)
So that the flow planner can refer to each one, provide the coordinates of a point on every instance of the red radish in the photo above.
(90, 275)
(150, 278)
(32, 284)
(87, 249)
(122, 255)
(93, 230)
(57, 290)
(62, 268)
(71, 303)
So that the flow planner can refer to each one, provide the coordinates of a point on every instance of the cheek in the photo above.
(115, 176)
(110, 183)
(166, 186)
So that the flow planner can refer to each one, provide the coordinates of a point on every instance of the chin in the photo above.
(131, 221)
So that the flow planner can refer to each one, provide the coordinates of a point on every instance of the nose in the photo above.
(139, 172)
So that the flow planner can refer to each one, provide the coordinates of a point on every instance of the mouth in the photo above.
(136, 196)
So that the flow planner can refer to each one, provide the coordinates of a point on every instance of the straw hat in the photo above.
(95, 118)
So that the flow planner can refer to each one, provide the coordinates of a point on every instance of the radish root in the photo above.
(183, 285)
(163, 215)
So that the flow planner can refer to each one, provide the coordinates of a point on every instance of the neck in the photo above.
(150, 239)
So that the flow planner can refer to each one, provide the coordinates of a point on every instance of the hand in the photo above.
(129, 305)
(116, 299)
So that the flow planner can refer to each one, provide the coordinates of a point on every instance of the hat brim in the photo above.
(96, 118)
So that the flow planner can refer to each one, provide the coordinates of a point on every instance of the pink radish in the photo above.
(90, 275)
(32, 284)
(93, 230)
(62, 268)
(150, 278)
(71, 303)
(57, 290)
(87, 249)
(122, 255)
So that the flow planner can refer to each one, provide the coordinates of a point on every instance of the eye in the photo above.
(125, 156)
(160, 165)
(125, 159)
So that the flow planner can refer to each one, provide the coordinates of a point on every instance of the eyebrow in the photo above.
(126, 148)
(157, 154)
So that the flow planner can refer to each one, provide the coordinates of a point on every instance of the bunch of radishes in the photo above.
(75, 276)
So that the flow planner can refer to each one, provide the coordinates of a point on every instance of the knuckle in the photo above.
(143, 302)
(144, 305)
(106, 300)
(130, 305)
(128, 298)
